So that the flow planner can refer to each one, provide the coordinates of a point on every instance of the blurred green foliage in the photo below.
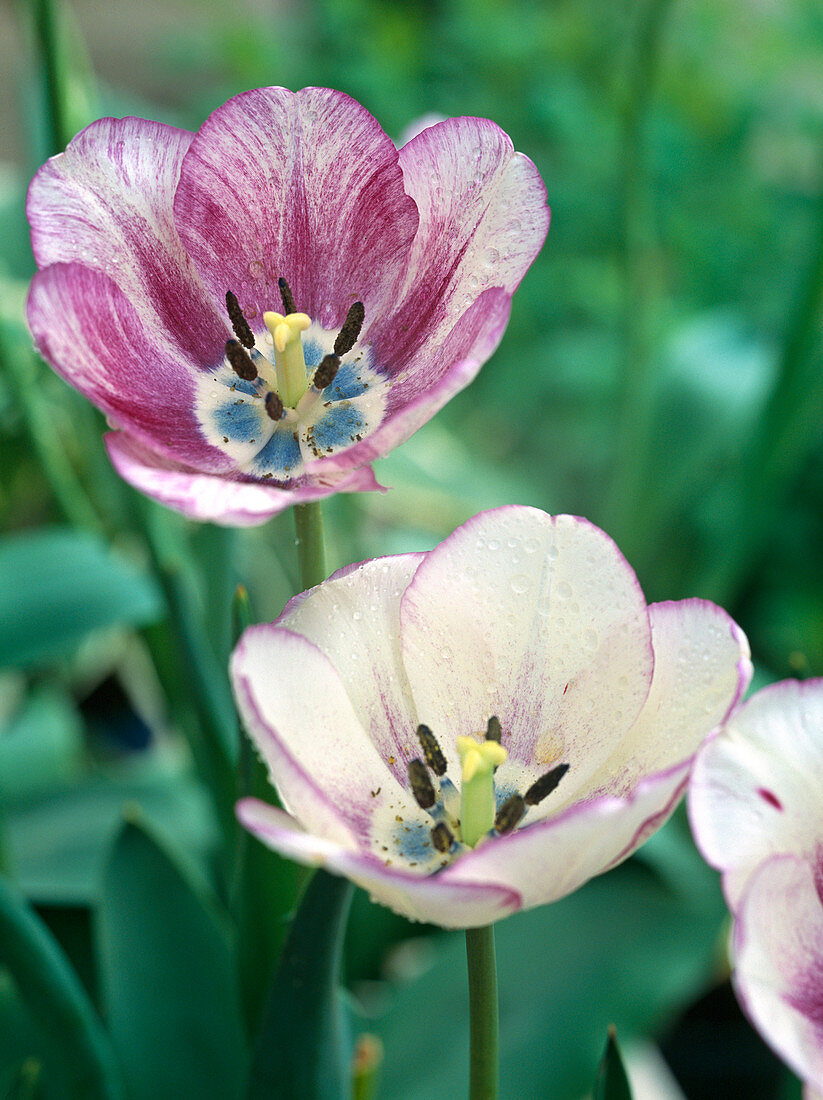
(661, 374)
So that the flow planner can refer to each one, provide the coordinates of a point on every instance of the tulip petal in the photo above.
(483, 219)
(363, 601)
(779, 960)
(296, 709)
(755, 790)
(540, 622)
(214, 499)
(302, 185)
(553, 857)
(701, 669)
(93, 336)
(429, 898)
(106, 202)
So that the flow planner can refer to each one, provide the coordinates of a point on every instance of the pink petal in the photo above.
(305, 186)
(755, 789)
(107, 203)
(430, 898)
(701, 669)
(779, 961)
(363, 602)
(418, 394)
(483, 219)
(208, 498)
(540, 621)
(94, 338)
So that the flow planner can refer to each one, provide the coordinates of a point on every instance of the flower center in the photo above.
(467, 821)
(292, 393)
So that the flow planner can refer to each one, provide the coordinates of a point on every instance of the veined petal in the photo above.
(298, 713)
(92, 335)
(542, 623)
(430, 898)
(415, 396)
(363, 601)
(701, 669)
(208, 498)
(554, 856)
(106, 202)
(755, 790)
(779, 961)
(302, 185)
(483, 219)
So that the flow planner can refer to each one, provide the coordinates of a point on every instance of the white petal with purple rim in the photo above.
(464, 904)
(701, 669)
(363, 604)
(755, 789)
(543, 624)
(779, 961)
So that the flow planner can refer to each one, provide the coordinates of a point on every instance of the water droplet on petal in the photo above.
(564, 590)
(256, 269)
(494, 544)
(491, 256)
(520, 584)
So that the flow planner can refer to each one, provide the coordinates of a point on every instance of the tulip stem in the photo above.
(308, 521)
(482, 1012)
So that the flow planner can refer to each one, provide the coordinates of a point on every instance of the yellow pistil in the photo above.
(477, 805)
(289, 362)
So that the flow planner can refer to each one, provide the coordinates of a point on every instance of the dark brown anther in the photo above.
(545, 785)
(326, 371)
(431, 750)
(274, 406)
(442, 837)
(286, 296)
(241, 327)
(347, 336)
(240, 361)
(421, 785)
(510, 814)
(493, 730)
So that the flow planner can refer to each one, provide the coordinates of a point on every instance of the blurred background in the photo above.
(661, 375)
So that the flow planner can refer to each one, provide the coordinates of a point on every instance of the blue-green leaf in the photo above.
(612, 1081)
(167, 976)
(58, 585)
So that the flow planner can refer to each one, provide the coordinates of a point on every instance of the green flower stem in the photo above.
(46, 33)
(482, 1012)
(308, 521)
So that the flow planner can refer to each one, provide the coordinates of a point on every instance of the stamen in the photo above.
(274, 406)
(240, 361)
(347, 336)
(241, 327)
(421, 785)
(510, 814)
(544, 785)
(326, 371)
(286, 296)
(431, 750)
(442, 837)
(493, 730)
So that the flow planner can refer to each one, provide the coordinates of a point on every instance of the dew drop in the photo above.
(256, 269)
(494, 544)
(446, 654)
(531, 546)
(552, 553)
(590, 639)
(357, 615)
(520, 584)
(544, 606)
(564, 590)
(491, 256)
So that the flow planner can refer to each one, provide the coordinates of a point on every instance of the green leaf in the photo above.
(612, 1081)
(167, 976)
(58, 585)
(53, 994)
(303, 1048)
